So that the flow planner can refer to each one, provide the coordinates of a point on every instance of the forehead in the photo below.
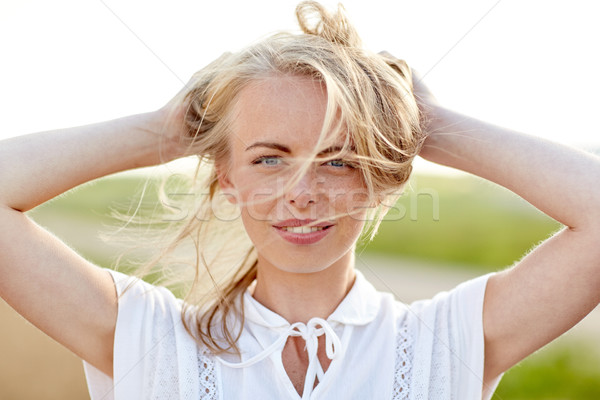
(287, 109)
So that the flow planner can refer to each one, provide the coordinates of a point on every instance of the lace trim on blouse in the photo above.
(403, 368)
(208, 376)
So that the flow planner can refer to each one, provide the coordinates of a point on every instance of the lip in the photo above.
(301, 222)
(303, 238)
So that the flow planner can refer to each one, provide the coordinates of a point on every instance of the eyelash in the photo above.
(260, 159)
(346, 164)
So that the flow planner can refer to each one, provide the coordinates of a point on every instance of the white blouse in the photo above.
(380, 349)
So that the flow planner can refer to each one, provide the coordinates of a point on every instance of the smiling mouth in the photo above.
(303, 229)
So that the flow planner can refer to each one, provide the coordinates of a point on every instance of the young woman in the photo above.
(308, 137)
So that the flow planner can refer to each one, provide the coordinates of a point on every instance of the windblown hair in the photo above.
(369, 98)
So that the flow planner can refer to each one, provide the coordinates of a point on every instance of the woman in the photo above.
(308, 137)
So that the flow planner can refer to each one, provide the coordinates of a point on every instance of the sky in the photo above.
(531, 66)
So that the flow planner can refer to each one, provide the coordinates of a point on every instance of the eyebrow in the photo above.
(285, 149)
(270, 145)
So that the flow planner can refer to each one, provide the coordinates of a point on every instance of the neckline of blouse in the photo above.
(359, 307)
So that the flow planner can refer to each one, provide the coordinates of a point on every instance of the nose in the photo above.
(305, 191)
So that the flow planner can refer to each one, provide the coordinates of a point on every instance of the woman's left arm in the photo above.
(558, 283)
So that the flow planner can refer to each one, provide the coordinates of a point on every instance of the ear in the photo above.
(225, 183)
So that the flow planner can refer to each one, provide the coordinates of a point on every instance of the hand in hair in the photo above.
(425, 98)
(175, 137)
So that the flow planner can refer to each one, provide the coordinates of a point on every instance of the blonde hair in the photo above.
(369, 96)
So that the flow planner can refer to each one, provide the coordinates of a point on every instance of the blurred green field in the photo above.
(453, 220)
(461, 220)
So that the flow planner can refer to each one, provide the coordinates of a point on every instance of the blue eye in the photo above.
(336, 163)
(267, 160)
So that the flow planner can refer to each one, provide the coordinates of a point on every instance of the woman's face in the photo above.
(277, 124)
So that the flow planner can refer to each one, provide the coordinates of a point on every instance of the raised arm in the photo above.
(65, 296)
(558, 283)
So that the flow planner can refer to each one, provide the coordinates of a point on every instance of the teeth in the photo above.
(302, 229)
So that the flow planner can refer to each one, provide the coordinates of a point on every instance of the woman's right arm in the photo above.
(67, 297)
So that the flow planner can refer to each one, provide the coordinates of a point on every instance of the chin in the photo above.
(306, 261)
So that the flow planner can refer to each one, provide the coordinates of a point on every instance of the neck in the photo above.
(298, 297)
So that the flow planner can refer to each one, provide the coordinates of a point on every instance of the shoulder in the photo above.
(462, 305)
(434, 347)
(134, 289)
(148, 311)
(465, 302)
(151, 340)
(446, 333)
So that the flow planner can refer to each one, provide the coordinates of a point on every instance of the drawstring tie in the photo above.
(310, 333)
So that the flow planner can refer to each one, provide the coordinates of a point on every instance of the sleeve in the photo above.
(449, 350)
(154, 357)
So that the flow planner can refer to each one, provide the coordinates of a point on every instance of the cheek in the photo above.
(256, 204)
(255, 192)
(349, 198)
(349, 230)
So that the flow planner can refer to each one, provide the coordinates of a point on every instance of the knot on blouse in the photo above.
(310, 333)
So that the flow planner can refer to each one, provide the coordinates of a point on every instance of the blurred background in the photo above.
(529, 65)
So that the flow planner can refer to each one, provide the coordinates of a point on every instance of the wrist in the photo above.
(436, 120)
(433, 117)
(161, 141)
